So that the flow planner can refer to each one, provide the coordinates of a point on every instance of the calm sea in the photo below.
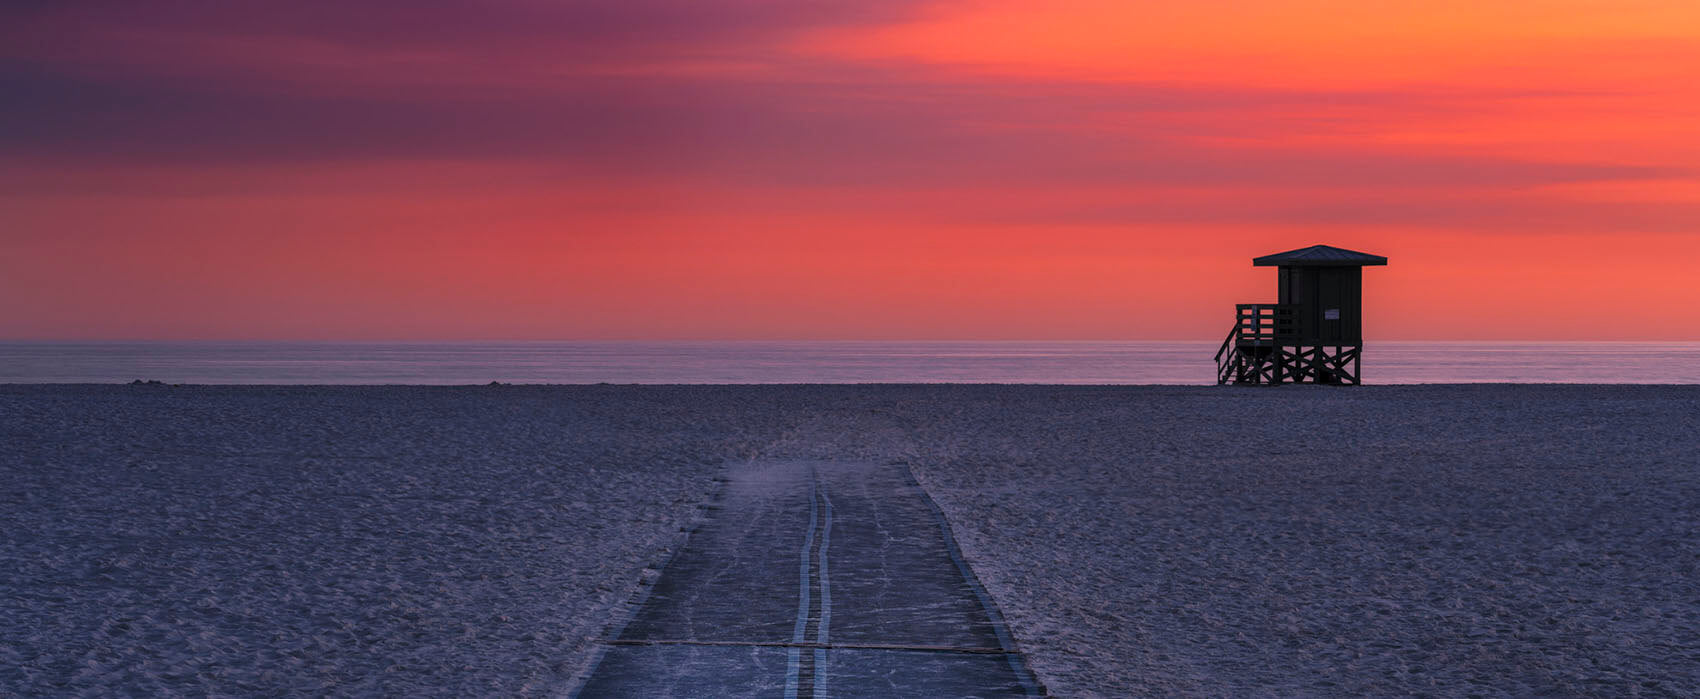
(808, 362)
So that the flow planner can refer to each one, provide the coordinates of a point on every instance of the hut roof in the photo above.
(1319, 256)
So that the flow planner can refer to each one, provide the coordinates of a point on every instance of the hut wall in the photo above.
(1331, 303)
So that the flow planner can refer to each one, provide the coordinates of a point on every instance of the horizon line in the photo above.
(352, 341)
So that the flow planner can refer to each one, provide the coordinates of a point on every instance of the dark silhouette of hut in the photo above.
(1313, 333)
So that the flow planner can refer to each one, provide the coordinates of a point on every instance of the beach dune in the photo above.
(1159, 541)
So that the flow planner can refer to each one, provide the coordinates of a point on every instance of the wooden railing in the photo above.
(1228, 357)
(1228, 344)
(1265, 324)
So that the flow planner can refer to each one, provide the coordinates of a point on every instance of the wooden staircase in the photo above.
(1254, 351)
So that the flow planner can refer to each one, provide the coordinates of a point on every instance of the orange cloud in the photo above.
(1300, 43)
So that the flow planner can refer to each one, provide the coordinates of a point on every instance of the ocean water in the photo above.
(808, 362)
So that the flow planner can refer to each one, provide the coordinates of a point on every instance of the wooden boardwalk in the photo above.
(816, 580)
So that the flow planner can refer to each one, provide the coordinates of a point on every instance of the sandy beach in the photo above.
(1161, 541)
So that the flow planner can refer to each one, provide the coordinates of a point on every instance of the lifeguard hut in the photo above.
(1313, 334)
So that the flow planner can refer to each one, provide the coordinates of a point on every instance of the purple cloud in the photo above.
(792, 122)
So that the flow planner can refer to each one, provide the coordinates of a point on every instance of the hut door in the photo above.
(1330, 298)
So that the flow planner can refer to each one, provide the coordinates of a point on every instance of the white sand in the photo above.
(1485, 540)
(1158, 541)
(457, 542)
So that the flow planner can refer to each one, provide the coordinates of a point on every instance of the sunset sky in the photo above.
(842, 169)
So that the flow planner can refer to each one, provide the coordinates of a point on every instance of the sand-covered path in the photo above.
(816, 579)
